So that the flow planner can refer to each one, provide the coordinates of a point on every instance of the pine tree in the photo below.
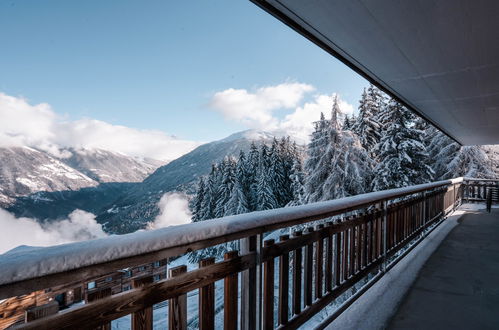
(227, 182)
(342, 168)
(238, 202)
(252, 169)
(316, 174)
(297, 181)
(403, 159)
(288, 155)
(265, 195)
(471, 162)
(197, 201)
(348, 123)
(366, 125)
(208, 202)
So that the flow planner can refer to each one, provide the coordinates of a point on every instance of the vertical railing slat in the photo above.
(344, 253)
(283, 285)
(319, 254)
(308, 271)
(337, 260)
(230, 296)
(351, 251)
(142, 320)
(329, 262)
(207, 301)
(177, 307)
(297, 276)
(268, 290)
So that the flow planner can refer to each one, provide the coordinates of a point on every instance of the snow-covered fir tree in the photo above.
(238, 201)
(402, 155)
(348, 122)
(196, 203)
(450, 160)
(227, 177)
(366, 126)
(337, 164)
(297, 178)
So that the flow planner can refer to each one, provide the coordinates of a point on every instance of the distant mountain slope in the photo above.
(27, 172)
(139, 204)
(48, 206)
(24, 171)
(107, 166)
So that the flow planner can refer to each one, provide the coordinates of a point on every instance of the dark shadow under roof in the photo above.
(438, 57)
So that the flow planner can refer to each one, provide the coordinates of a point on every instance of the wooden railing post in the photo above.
(251, 285)
(329, 262)
(297, 276)
(177, 307)
(268, 290)
(319, 257)
(230, 296)
(283, 284)
(385, 228)
(142, 320)
(425, 202)
(308, 270)
(206, 307)
(337, 260)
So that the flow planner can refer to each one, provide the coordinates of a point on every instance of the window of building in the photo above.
(127, 273)
(142, 268)
(91, 285)
(109, 279)
(127, 287)
(157, 264)
(157, 277)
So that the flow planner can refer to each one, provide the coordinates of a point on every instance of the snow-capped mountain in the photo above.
(139, 204)
(107, 166)
(25, 171)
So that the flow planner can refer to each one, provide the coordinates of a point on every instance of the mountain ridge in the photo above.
(25, 171)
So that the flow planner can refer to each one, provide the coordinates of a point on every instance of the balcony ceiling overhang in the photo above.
(440, 58)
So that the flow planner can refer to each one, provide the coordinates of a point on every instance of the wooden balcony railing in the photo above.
(292, 262)
(478, 190)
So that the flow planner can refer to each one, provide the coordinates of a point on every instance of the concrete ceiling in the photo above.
(438, 57)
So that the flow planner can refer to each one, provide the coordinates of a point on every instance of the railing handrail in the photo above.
(484, 180)
(22, 272)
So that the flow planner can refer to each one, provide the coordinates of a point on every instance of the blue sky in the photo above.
(157, 64)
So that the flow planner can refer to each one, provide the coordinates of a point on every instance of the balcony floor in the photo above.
(458, 287)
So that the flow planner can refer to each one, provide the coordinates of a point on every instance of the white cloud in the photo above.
(79, 226)
(22, 124)
(173, 210)
(91, 133)
(255, 109)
